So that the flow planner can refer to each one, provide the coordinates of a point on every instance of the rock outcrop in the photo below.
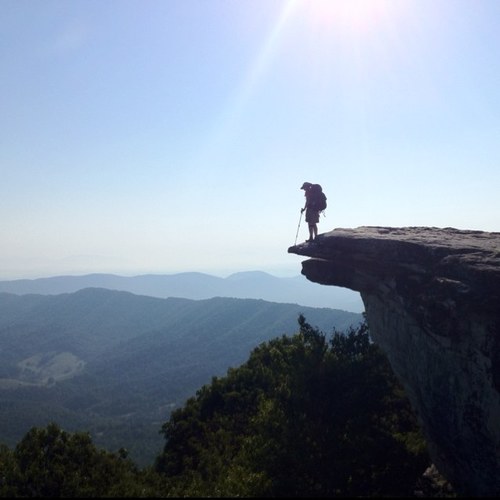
(432, 301)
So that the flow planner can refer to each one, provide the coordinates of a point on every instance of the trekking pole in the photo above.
(298, 227)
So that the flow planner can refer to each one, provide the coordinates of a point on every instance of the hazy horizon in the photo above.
(198, 286)
(222, 275)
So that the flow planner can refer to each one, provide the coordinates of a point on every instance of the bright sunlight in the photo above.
(351, 17)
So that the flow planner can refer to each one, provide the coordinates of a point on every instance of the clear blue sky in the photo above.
(163, 136)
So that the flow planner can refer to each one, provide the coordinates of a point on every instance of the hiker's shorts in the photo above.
(312, 216)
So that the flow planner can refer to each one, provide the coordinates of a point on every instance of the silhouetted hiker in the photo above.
(315, 203)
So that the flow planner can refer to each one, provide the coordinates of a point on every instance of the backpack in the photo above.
(316, 198)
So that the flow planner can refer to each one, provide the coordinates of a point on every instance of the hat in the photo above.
(306, 185)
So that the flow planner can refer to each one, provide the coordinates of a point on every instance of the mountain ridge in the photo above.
(115, 364)
(197, 286)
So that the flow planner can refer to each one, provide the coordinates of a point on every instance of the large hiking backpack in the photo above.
(316, 198)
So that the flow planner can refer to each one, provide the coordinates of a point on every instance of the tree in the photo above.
(304, 416)
(53, 463)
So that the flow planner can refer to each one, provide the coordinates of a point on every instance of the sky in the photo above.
(165, 136)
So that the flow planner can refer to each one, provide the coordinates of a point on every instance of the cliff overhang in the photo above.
(432, 301)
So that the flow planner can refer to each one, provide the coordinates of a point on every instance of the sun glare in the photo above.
(351, 17)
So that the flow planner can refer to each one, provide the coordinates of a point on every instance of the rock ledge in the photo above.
(432, 299)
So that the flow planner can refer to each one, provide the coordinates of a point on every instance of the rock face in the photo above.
(432, 300)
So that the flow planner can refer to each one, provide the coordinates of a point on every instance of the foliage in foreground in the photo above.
(303, 417)
(53, 463)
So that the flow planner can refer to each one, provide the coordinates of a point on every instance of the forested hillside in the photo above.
(307, 415)
(116, 364)
(304, 416)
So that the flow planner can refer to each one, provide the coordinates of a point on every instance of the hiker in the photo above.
(312, 212)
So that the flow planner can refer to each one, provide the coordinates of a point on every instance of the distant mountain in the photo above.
(115, 363)
(198, 286)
